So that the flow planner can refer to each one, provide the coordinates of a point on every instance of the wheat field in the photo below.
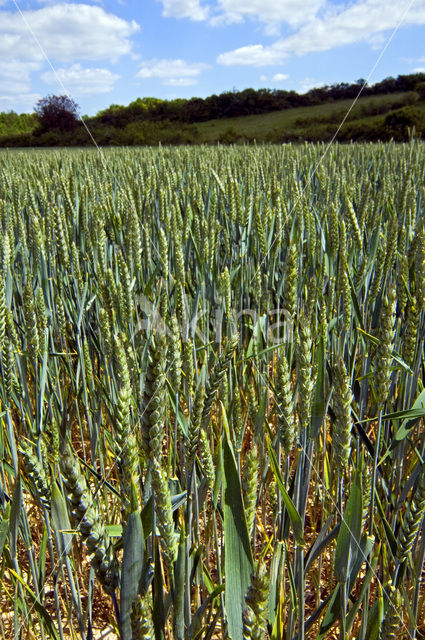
(212, 393)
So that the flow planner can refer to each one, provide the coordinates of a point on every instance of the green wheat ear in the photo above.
(375, 285)
(411, 332)
(341, 432)
(285, 405)
(384, 356)
(237, 420)
(206, 459)
(175, 355)
(254, 618)
(30, 320)
(188, 366)
(343, 284)
(304, 372)
(164, 514)
(216, 377)
(226, 289)
(392, 618)
(37, 472)
(127, 449)
(90, 524)
(420, 268)
(194, 426)
(141, 620)
(333, 232)
(249, 486)
(8, 366)
(2, 314)
(291, 279)
(153, 410)
(411, 521)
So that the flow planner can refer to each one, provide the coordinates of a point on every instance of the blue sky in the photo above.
(113, 51)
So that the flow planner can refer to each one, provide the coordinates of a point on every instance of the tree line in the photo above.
(148, 121)
(233, 104)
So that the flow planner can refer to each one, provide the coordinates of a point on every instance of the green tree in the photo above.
(57, 112)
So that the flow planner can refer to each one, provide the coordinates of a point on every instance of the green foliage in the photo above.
(384, 111)
(57, 113)
(12, 124)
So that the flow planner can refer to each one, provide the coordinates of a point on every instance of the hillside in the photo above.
(386, 117)
(391, 109)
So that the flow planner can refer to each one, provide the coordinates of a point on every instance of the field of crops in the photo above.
(212, 393)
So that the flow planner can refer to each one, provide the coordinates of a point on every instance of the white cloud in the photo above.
(361, 21)
(26, 101)
(413, 60)
(184, 9)
(271, 12)
(49, 2)
(172, 72)
(179, 82)
(255, 55)
(9, 85)
(78, 80)
(309, 83)
(15, 76)
(66, 32)
(280, 77)
(419, 70)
